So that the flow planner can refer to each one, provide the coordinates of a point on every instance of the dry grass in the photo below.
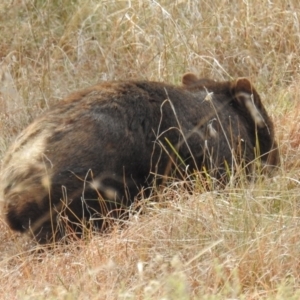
(231, 244)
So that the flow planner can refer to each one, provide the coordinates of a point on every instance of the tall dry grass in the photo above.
(232, 244)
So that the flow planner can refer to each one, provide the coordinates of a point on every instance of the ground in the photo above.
(242, 242)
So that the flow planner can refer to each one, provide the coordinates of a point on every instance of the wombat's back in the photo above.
(89, 155)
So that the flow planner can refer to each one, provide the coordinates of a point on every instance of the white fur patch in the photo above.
(26, 154)
(251, 107)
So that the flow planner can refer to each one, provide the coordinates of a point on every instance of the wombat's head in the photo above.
(248, 105)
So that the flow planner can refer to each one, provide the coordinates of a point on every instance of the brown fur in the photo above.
(91, 154)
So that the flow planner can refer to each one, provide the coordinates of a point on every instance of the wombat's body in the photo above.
(91, 154)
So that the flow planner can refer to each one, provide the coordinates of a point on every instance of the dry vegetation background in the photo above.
(233, 244)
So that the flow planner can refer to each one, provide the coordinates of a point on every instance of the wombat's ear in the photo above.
(242, 85)
(189, 78)
(248, 99)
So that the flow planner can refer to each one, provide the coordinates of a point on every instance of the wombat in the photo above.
(88, 157)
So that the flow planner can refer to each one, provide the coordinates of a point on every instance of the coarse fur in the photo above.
(91, 154)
